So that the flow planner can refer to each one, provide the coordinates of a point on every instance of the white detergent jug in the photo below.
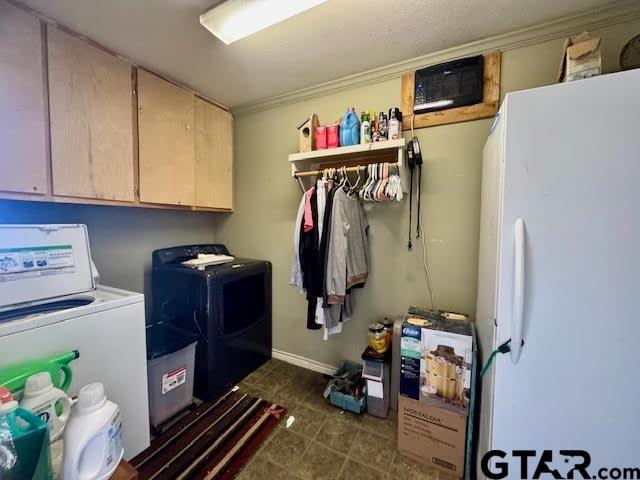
(40, 396)
(92, 439)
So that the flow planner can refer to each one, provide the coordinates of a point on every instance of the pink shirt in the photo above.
(308, 217)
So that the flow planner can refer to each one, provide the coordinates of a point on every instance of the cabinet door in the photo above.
(90, 98)
(23, 158)
(214, 156)
(167, 150)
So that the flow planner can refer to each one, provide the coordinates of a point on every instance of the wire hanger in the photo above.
(355, 185)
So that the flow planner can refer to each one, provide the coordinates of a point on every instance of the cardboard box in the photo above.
(433, 436)
(437, 355)
(581, 58)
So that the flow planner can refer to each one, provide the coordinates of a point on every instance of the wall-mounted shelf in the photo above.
(391, 151)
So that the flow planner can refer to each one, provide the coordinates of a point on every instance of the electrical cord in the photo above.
(503, 348)
(425, 251)
(425, 264)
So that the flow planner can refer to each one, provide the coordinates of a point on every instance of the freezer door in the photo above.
(572, 170)
(490, 213)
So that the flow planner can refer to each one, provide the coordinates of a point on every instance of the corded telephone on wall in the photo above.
(414, 159)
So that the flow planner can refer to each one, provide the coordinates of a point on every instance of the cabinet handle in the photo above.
(187, 126)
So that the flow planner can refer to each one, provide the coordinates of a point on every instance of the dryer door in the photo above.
(245, 298)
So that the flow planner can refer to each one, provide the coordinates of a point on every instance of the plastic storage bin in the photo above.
(344, 401)
(171, 356)
(376, 406)
(377, 373)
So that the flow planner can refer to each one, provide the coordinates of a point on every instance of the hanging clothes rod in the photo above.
(313, 173)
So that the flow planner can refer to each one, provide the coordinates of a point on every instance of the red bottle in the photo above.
(321, 138)
(333, 135)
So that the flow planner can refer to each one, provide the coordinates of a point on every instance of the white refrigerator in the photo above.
(559, 268)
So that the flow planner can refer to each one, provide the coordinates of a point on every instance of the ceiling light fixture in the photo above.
(236, 19)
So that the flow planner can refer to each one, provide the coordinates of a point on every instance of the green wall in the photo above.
(267, 199)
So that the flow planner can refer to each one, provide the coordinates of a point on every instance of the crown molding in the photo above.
(593, 20)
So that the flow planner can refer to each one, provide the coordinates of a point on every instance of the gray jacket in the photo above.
(348, 252)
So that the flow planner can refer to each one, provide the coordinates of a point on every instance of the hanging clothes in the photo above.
(331, 314)
(347, 262)
(308, 214)
(321, 195)
(312, 274)
(296, 267)
(346, 257)
(330, 255)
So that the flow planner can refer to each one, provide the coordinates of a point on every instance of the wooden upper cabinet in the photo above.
(91, 111)
(166, 141)
(23, 157)
(214, 156)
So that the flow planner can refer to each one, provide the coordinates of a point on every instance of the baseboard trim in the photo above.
(303, 362)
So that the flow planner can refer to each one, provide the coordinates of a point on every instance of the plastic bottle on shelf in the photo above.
(374, 122)
(365, 128)
(375, 131)
(93, 437)
(395, 123)
(350, 129)
(382, 120)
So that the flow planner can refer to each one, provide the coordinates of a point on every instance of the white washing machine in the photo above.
(50, 303)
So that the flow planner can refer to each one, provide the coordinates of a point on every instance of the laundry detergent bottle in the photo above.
(93, 436)
(350, 128)
(42, 398)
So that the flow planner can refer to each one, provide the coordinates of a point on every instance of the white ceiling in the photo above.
(335, 39)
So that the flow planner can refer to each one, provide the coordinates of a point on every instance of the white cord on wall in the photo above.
(425, 251)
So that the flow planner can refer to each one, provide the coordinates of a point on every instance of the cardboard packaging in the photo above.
(581, 58)
(433, 436)
(437, 355)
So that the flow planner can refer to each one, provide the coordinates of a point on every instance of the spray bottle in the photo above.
(14, 377)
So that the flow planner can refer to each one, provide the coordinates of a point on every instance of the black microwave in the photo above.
(448, 85)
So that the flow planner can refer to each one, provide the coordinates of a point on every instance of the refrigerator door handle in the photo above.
(517, 317)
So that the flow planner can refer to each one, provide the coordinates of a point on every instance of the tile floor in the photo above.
(323, 443)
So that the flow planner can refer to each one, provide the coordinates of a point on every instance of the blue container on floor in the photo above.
(349, 402)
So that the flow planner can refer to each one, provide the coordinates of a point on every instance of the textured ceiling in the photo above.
(335, 39)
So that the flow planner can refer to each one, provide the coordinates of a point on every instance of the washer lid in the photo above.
(39, 262)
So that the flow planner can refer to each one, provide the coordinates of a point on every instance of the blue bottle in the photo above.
(350, 129)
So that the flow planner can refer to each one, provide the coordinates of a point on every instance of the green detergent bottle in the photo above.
(24, 442)
(13, 377)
